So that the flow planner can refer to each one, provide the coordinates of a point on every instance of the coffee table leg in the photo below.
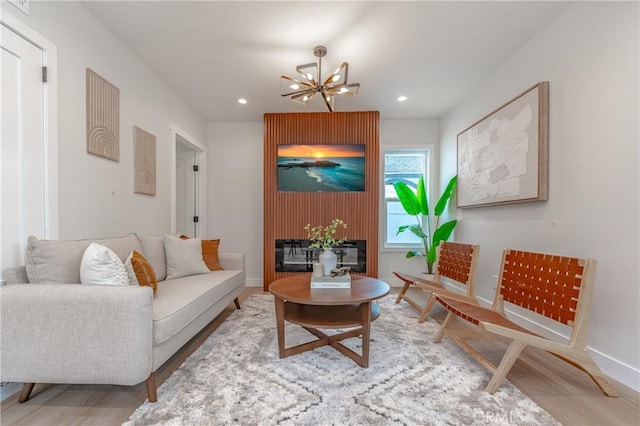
(365, 311)
(280, 325)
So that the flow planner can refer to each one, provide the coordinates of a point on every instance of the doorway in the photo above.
(188, 185)
(28, 149)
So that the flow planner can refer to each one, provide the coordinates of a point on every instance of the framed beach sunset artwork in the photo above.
(321, 168)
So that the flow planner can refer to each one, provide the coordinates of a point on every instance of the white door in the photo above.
(22, 150)
(186, 191)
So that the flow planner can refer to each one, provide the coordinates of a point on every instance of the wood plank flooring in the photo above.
(564, 391)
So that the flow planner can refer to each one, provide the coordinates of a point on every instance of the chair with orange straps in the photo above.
(557, 287)
(455, 261)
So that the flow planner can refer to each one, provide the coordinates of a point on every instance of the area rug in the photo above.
(236, 377)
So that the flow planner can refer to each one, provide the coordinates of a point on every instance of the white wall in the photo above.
(96, 195)
(235, 191)
(589, 54)
(405, 133)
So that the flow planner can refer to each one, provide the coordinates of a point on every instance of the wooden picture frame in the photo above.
(504, 157)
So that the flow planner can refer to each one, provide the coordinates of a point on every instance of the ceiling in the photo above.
(212, 53)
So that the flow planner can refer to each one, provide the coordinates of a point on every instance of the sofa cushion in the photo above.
(184, 257)
(182, 300)
(153, 251)
(209, 253)
(140, 271)
(50, 261)
(101, 266)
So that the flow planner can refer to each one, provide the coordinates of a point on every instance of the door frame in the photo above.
(201, 151)
(50, 106)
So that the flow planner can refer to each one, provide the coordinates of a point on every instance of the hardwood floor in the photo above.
(564, 391)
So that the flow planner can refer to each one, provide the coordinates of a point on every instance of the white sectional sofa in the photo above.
(54, 330)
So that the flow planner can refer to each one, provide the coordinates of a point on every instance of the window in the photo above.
(406, 165)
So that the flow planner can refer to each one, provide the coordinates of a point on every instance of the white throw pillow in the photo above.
(184, 257)
(101, 266)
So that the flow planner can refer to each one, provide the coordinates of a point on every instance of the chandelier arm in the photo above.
(299, 92)
(326, 102)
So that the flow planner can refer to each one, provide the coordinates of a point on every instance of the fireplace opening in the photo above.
(293, 255)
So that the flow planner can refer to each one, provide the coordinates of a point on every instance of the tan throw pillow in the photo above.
(140, 271)
(209, 253)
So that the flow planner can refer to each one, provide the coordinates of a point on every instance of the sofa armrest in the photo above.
(73, 333)
(232, 261)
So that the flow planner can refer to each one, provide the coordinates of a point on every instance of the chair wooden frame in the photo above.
(456, 261)
(557, 287)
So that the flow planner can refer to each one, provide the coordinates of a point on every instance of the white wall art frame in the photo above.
(504, 157)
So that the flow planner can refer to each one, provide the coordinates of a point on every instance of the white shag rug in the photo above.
(236, 377)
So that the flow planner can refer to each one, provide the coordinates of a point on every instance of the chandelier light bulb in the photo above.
(336, 77)
(295, 86)
(309, 76)
(343, 90)
(305, 98)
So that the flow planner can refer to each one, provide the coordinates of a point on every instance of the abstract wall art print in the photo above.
(504, 157)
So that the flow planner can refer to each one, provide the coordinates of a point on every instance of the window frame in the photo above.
(430, 175)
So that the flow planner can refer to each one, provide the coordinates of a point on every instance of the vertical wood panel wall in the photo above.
(286, 213)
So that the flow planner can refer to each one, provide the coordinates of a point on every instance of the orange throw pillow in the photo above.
(209, 253)
(144, 271)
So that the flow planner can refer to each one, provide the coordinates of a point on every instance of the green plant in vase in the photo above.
(417, 205)
(325, 236)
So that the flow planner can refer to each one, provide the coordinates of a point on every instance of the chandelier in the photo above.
(302, 90)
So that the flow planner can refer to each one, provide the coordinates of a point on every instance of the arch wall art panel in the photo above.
(144, 150)
(103, 117)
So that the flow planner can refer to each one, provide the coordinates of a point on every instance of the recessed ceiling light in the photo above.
(242, 101)
(402, 98)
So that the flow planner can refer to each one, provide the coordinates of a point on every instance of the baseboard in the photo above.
(8, 389)
(254, 282)
(615, 369)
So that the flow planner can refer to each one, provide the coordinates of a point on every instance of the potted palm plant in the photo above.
(417, 205)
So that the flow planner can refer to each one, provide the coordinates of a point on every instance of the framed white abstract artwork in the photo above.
(504, 157)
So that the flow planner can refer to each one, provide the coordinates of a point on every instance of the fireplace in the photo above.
(294, 255)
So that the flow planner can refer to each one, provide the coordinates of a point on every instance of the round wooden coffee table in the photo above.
(313, 309)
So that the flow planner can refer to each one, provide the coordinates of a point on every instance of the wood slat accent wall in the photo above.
(286, 213)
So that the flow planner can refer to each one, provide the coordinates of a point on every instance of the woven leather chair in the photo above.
(557, 287)
(456, 261)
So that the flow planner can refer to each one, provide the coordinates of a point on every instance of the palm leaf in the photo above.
(444, 198)
(443, 233)
(413, 253)
(417, 231)
(421, 193)
(407, 198)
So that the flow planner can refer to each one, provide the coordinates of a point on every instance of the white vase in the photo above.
(329, 260)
